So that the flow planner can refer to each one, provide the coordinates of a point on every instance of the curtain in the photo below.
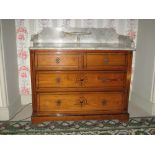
(26, 27)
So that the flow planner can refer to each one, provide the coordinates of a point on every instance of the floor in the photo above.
(26, 111)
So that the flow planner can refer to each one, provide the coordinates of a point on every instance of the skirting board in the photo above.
(4, 114)
(142, 103)
(153, 109)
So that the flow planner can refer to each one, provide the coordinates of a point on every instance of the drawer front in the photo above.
(80, 102)
(57, 61)
(105, 60)
(88, 79)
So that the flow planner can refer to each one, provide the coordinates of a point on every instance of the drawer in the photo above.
(82, 79)
(95, 102)
(58, 60)
(105, 61)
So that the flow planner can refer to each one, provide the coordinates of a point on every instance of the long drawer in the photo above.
(82, 79)
(95, 102)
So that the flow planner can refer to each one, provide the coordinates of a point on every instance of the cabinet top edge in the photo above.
(85, 49)
(82, 46)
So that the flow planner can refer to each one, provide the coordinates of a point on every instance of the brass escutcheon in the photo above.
(57, 60)
(58, 103)
(104, 102)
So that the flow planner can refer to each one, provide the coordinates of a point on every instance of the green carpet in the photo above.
(135, 126)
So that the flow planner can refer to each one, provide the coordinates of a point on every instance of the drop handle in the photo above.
(81, 80)
(108, 79)
(104, 79)
(81, 101)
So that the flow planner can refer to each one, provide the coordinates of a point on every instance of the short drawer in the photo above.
(58, 61)
(82, 79)
(105, 61)
(95, 102)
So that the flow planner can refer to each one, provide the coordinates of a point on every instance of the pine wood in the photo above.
(80, 84)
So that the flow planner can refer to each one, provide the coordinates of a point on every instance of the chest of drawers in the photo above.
(80, 84)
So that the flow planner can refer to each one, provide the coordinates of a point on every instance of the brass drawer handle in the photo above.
(57, 60)
(82, 101)
(82, 80)
(58, 103)
(104, 102)
(104, 79)
(109, 80)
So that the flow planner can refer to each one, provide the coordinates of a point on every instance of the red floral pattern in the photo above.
(22, 54)
(25, 90)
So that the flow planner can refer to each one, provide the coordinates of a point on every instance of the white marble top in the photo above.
(83, 46)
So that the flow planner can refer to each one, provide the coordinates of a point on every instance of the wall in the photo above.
(10, 68)
(144, 66)
(4, 111)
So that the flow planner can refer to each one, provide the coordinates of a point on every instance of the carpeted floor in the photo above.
(135, 126)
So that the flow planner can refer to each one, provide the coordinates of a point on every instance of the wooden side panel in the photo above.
(33, 80)
(128, 80)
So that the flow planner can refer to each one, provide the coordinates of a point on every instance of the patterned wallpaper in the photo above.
(25, 28)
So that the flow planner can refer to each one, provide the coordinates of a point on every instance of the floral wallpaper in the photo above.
(26, 27)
